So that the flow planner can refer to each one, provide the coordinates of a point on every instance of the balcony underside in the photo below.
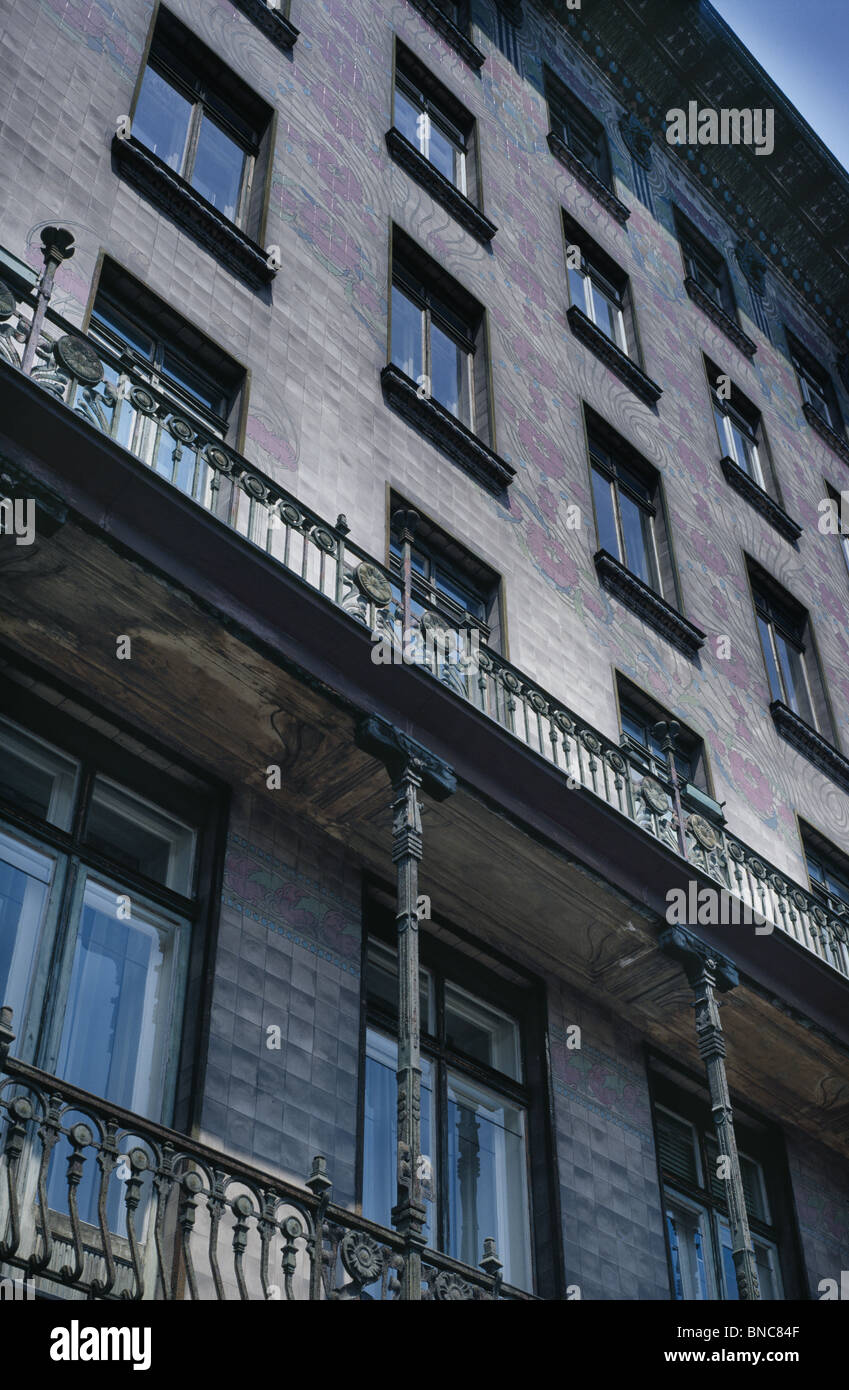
(223, 639)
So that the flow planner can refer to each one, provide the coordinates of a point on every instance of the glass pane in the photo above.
(207, 393)
(766, 1262)
(636, 532)
(487, 1180)
(380, 1134)
(407, 320)
(162, 119)
(578, 283)
(459, 593)
(36, 777)
(688, 1249)
(119, 326)
(382, 983)
(136, 834)
(605, 518)
(791, 663)
(608, 317)
(217, 172)
(449, 369)
(409, 119)
(25, 878)
(442, 153)
(117, 1036)
(482, 1032)
(769, 657)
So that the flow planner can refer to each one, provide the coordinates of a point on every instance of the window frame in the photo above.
(440, 108)
(822, 855)
(599, 271)
(568, 118)
(525, 1004)
(815, 381)
(696, 252)
(842, 533)
(605, 464)
(630, 702)
(777, 615)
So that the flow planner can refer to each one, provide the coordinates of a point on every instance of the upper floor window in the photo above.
(574, 124)
(738, 426)
(787, 644)
(438, 335)
(629, 514)
(828, 869)
(446, 577)
(815, 385)
(599, 288)
(97, 897)
(474, 1117)
(432, 119)
(840, 506)
(705, 266)
(695, 1201)
(640, 716)
(203, 122)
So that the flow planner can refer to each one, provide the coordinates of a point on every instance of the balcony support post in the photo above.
(709, 971)
(57, 245)
(411, 768)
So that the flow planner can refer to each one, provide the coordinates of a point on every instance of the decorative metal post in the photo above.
(405, 524)
(708, 971)
(670, 734)
(57, 245)
(411, 767)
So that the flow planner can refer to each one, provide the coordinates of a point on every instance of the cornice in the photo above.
(273, 23)
(737, 478)
(585, 175)
(714, 311)
(438, 186)
(812, 744)
(648, 605)
(834, 440)
(444, 430)
(613, 356)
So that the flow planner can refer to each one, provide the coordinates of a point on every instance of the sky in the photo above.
(804, 46)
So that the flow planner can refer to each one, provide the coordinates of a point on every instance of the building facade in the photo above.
(424, 656)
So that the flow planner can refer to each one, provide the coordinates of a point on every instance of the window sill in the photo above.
(834, 440)
(451, 34)
(648, 605)
(722, 320)
(806, 740)
(754, 494)
(438, 186)
(444, 431)
(271, 22)
(174, 196)
(614, 357)
(585, 175)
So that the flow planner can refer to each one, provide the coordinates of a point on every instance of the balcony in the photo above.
(110, 1206)
(321, 556)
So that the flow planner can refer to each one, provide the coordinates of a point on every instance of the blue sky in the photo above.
(804, 46)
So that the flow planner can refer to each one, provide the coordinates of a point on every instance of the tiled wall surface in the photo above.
(821, 1191)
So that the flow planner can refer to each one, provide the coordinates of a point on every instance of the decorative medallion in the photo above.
(820, 917)
(324, 540)
(254, 487)
(433, 622)
(637, 139)
(216, 458)
(142, 400)
(799, 900)
(735, 851)
(511, 682)
(757, 868)
(362, 1257)
(591, 741)
(563, 722)
(7, 301)
(703, 832)
(617, 762)
(373, 583)
(654, 795)
(78, 357)
(537, 703)
(181, 429)
(81, 1135)
(447, 1286)
(290, 514)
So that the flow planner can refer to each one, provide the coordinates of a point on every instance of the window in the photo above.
(815, 385)
(144, 342)
(600, 289)
(203, 122)
(639, 716)
(628, 518)
(578, 128)
(97, 893)
(437, 336)
(476, 1119)
(432, 119)
(695, 1207)
(738, 427)
(828, 870)
(840, 503)
(786, 642)
(705, 266)
(448, 578)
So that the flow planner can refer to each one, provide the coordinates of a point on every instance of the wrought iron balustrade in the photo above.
(114, 399)
(96, 1202)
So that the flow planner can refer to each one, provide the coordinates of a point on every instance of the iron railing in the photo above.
(99, 1203)
(115, 398)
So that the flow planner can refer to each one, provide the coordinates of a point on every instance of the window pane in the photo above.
(578, 286)
(25, 878)
(134, 833)
(123, 328)
(636, 531)
(769, 657)
(162, 119)
(449, 373)
(409, 119)
(487, 1179)
(459, 593)
(35, 777)
(406, 334)
(382, 983)
(117, 1035)
(217, 172)
(689, 1249)
(766, 1262)
(207, 393)
(483, 1032)
(608, 316)
(605, 516)
(443, 153)
(380, 1136)
(791, 663)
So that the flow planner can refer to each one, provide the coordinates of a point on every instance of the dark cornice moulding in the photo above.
(444, 430)
(585, 175)
(806, 740)
(273, 23)
(648, 605)
(834, 440)
(438, 186)
(737, 478)
(722, 320)
(451, 34)
(618, 361)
